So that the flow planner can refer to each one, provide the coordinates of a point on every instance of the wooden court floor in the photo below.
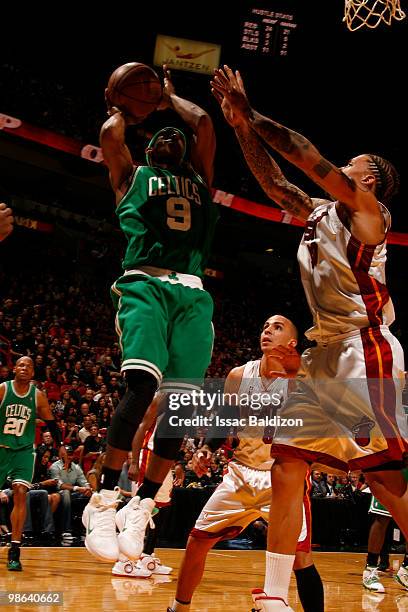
(88, 585)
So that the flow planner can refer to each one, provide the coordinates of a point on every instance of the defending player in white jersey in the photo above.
(358, 422)
(244, 494)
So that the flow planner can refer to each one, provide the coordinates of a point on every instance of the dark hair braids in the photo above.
(387, 178)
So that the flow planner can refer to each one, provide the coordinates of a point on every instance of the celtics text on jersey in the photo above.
(17, 417)
(168, 219)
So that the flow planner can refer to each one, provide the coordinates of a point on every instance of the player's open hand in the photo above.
(168, 89)
(229, 87)
(201, 461)
(287, 357)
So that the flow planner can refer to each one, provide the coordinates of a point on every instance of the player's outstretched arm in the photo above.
(263, 166)
(115, 151)
(292, 146)
(203, 147)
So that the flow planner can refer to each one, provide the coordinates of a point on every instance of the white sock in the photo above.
(179, 607)
(277, 574)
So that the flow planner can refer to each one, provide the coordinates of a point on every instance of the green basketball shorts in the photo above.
(17, 465)
(164, 327)
(376, 507)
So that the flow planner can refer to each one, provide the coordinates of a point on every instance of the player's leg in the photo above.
(308, 581)
(189, 354)
(141, 323)
(20, 473)
(17, 517)
(148, 563)
(389, 488)
(162, 500)
(191, 571)
(376, 539)
(232, 507)
(402, 574)
(137, 515)
(285, 523)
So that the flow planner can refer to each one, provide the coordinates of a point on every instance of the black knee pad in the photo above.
(141, 387)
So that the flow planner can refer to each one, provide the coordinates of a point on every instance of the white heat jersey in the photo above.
(252, 451)
(343, 278)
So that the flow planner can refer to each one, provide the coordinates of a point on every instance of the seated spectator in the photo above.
(319, 487)
(342, 482)
(104, 418)
(115, 384)
(83, 412)
(74, 391)
(84, 432)
(101, 393)
(44, 494)
(47, 443)
(331, 481)
(72, 486)
(93, 475)
(88, 398)
(72, 433)
(93, 447)
(354, 487)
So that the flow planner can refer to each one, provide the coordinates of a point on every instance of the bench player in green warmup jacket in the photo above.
(163, 315)
(20, 404)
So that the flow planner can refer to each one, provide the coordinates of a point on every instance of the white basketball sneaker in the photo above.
(132, 521)
(154, 565)
(99, 520)
(130, 570)
(264, 603)
(371, 580)
(402, 576)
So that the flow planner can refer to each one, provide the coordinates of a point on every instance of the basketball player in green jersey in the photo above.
(163, 315)
(20, 404)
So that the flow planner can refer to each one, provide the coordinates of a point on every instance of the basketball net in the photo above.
(369, 13)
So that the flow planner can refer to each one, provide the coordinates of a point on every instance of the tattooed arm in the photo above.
(293, 146)
(263, 166)
(302, 153)
(270, 177)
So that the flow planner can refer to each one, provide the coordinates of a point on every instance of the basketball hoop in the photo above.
(369, 13)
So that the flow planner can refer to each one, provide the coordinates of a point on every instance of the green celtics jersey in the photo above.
(168, 219)
(17, 417)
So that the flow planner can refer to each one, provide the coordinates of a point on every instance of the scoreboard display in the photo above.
(266, 32)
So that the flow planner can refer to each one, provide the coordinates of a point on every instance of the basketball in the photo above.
(134, 88)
